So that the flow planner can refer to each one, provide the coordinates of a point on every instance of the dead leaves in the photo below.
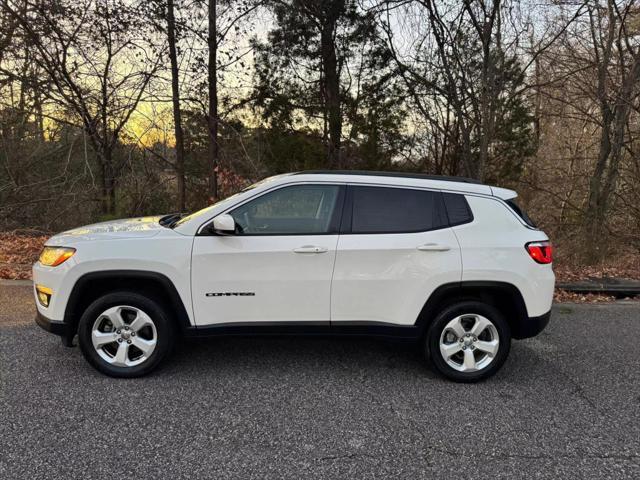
(624, 267)
(18, 252)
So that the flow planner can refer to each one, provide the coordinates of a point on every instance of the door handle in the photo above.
(434, 247)
(310, 249)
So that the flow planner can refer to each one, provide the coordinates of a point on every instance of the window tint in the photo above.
(521, 213)
(458, 209)
(299, 209)
(395, 210)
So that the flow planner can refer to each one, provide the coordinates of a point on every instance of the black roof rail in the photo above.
(421, 176)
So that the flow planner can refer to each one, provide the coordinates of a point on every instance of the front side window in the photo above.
(294, 210)
(395, 210)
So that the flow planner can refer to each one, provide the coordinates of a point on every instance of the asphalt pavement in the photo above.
(565, 405)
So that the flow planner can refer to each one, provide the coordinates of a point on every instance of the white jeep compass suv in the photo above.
(445, 261)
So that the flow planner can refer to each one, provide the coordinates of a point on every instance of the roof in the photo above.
(420, 176)
(442, 182)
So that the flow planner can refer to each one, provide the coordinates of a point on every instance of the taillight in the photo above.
(541, 252)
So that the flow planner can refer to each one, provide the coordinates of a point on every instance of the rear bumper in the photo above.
(52, 326)
(532, 326)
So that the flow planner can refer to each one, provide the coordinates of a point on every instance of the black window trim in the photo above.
(346, 227)
(500, 200)
(347, 206)
(334, 225)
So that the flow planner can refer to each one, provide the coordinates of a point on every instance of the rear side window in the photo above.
(458, 209)
(521, 213)
(395, 210)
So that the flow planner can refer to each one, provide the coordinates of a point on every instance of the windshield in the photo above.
(205, 211)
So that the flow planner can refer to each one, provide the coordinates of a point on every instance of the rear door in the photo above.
(395, 249)
(278, 265)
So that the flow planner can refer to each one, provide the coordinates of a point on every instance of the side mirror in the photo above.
(224, 224)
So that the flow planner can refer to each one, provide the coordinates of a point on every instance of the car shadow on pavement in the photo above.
(321, 356)
(348, 358)
(296, 353)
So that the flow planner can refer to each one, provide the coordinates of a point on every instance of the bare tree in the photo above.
(99, 72)
(465, 66)
(224, 19)
(327, 15)
(175, 100)
(616, 61)
(212, 113)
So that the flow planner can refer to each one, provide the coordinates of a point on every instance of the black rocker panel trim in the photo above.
(375, 329)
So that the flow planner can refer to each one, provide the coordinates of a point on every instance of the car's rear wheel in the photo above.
(468, 341)
(125, 334)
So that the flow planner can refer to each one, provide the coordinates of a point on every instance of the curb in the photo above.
(15, 283)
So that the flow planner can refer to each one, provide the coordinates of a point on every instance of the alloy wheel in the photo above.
(124, 336)
(469, 343)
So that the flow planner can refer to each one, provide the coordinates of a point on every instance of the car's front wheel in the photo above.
(468, 341)
(125, 334)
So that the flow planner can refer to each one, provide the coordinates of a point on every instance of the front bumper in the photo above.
(56, 327)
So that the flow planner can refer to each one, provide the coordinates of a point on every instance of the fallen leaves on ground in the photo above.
(624, 266)
(18, 252)
(562, 296)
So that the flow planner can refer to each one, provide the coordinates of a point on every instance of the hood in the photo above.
(139, 227)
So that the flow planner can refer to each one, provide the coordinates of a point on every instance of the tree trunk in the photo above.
(466, 155)
(214, 150)
(175, 95)
(37, 99)
(108, 202)
(603, 181)
(615, 117)
(331, 88)
(484, 127)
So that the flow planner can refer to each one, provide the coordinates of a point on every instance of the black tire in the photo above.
(151, 307)
(435, 331)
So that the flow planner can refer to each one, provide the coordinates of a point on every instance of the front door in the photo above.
(278, 265)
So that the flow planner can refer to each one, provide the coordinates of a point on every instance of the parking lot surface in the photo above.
(565, 405)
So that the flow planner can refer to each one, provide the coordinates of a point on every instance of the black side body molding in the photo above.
(502, 295)
(365, 329)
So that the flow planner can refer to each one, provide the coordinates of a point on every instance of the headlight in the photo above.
(54, 256)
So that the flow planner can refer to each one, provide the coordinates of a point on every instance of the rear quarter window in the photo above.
(458, 209)
(520, 212)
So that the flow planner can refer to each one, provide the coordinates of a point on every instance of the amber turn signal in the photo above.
(44, 295)
(54, 256)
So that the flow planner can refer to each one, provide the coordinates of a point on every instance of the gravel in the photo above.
(566, 404)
